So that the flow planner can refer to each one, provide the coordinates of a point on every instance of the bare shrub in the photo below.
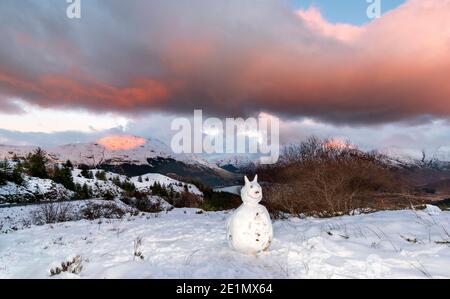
(146, 205)
(137, 248)
(108, 210)
(72, 266)
(186, 200)
(318, 178)
(53, 213)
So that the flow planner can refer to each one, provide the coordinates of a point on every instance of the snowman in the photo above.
(249, 229)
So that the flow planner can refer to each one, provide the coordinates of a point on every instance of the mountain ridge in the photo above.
(149, 156)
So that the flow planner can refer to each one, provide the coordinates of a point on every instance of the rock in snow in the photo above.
(432, 210)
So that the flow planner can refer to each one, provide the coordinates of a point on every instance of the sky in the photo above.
(321, 66)
(345, 11)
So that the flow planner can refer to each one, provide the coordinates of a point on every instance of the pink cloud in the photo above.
(315, 21)
(247, 59)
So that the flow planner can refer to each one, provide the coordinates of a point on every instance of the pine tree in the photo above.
(69, 164)
(128, 186)
(3, 177)
(15, 158)
(4, 165)
(63, 176)
(78, 191)
(16, 175)
(10, 172)
(116, 181)
(160, 190)
(36, 164)
(100, 175)
(84, 170)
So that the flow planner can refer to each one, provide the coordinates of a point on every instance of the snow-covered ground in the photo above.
(184, 244)
(21, 217)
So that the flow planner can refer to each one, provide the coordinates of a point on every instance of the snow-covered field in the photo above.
(184, 244)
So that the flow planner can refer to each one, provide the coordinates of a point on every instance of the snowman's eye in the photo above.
(251, 187)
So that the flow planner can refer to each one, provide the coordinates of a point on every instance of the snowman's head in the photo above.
(251, 193)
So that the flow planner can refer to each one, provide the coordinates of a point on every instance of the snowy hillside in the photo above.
(33, 189)
(184, 244)
(101, 187)
(131, 156)
(150, 179)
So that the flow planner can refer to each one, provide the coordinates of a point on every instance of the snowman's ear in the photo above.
(256, 178)
(246, 180)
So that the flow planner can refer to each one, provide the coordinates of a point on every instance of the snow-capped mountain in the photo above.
(96, 153)
(233, 162)
(111, 150)
(131, 156)
(414, 159)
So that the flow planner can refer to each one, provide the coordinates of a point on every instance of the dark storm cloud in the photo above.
(230, 58)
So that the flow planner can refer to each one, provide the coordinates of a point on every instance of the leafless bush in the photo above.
(72, 266)
(186, 200)
(102, 210)
(146, 205)
(318, 178)
(137, 248)
(53, 213)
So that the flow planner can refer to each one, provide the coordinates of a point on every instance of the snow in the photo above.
(99, 187)
(33, 189)
(22, 216)
(95, 154)
(236, 160)
(432, 210)
(163, 204)
(148, 180)
(36, 189)
(102, 187)
(185, 244)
